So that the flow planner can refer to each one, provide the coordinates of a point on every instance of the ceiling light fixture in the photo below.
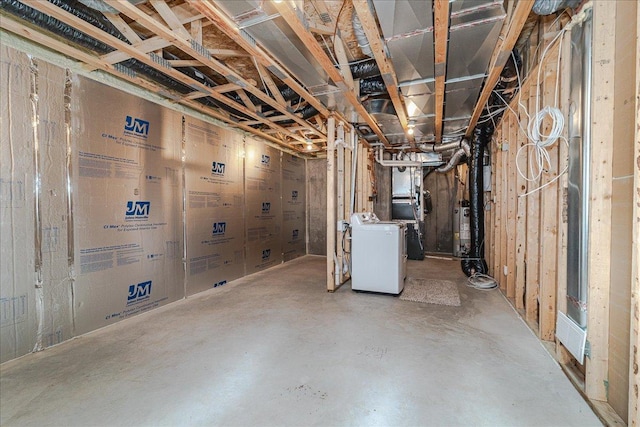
(410, 126)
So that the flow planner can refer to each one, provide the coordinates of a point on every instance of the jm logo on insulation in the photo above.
(219, 228)
(220, 283)
(217, 168)
(294, 234)
(139, 292)
(266, 207)
(294, 195)
(136, 127)
(265, 159)
(266, 253)
(137, 210)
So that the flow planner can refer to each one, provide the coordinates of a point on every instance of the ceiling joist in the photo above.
(441, 32)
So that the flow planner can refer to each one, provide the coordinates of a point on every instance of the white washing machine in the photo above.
(378, 254)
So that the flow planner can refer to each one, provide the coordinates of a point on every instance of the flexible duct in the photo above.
(439, 148)
(547, 7)
(453, 162)
(475, 263)
(361, 37)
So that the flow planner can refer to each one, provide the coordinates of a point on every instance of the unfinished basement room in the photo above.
(319, 213)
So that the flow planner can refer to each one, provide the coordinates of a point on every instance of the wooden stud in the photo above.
(521, 208)
(497, 197)
(504, 202)
(520, 14)
(634, 347)
(598, 257)
(562, 354)
(512, 205)
(331, 203)
(549, 214)
(532, 251)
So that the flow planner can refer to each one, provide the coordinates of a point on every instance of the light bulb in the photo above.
(410, 131)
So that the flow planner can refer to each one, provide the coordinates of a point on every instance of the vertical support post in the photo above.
(340, 197)
(331, 203)
(563, 160)
(521, 208)
(599, 253)
(532, 280)
(511, 206)
(634, 347)
(548, 214)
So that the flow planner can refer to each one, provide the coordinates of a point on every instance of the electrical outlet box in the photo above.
(505, 270)
(343, 225)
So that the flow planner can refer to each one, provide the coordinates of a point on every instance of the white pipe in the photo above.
(394, 163)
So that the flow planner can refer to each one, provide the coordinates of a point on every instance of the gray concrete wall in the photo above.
(382, 204)
(317, 206)
(439, 223)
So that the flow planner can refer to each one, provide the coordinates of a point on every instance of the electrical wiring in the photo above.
(482, 282)
(538, 159)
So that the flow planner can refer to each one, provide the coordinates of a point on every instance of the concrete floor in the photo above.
(276, 349)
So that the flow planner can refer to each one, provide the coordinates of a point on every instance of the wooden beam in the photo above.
(271, 85)
(532, 254)
(521, 209)
(512, 202)
(180, 63)
(441, 33)
(224, 24)
(228, 52)
(384, 65)
(549, 213)
(196, 30)
(123, 27)
(501, 55)
(149, 45)
(634, 350)
(207, 60)
(343, 62)
(331, 203)
(245, 99)
(170, 18)
(290, 15)
(599, 253)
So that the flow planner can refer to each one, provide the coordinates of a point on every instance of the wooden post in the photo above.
(521, 209)
(497, 196)
(331, 202)
(634, 361)
(598, 257)
(511, 208)
(533, 235)
(549, 213)
(562, 354)
(340, 197)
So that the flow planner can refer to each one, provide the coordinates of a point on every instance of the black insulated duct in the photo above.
(475, 262)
